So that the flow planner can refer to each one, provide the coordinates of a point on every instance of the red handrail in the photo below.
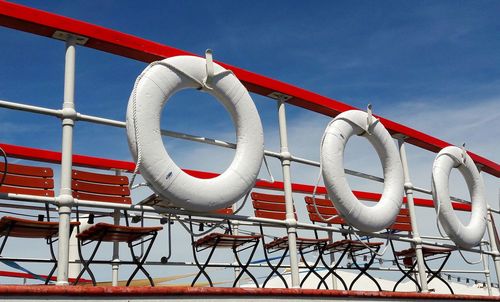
(109, 164)
(46, 24)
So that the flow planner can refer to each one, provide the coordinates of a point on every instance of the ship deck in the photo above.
(174, 293)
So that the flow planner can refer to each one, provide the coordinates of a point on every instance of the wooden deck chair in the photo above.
(408, 256)
(228, 240)
(30, 180)
(113, 189)
(273, 207)
(329, 215)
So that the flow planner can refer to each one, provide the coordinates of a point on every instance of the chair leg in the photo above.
(140, 263)
(5, 237)
(332, 269)
(244, 268)
(311, 269)
(203, 267)
(86, 263)
(275, 268)
(53, 255)
(436, 273)
(406, 273)
(364, 270)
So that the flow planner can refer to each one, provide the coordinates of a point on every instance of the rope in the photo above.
(202, 85)
(328, 220)
(268, 172)
(323, 218)
(438, 209)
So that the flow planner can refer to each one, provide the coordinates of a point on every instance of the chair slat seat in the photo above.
(302, 243)
(426, 250)
(353, 245)
(26, 228)
(225, 240)
(116, 233)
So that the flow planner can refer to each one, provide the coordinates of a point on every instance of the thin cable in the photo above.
(268, 172)
(216, 225)
(6, 163)
(18, 214)
(323, 218)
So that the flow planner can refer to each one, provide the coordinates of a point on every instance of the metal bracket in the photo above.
(464, 153)
(279, 96)
(209, 66)
(369, 118)
(64, 36)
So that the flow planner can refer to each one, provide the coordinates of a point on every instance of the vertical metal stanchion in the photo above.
(65, 198)
(417, 241)
(290, 216)
(487, 273)
(332, 259)
(493, 245)
(235, 226)
(115, 266)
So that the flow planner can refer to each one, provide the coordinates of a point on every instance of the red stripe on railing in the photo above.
(109, 164)
(45, 24)
(30, 276)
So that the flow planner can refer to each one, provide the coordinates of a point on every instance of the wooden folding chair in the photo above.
(237, 244)
(355, 248)
(30, 180)
(408, 256)
(113, 189)
(273, 207)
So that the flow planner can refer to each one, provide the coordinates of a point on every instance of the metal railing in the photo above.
(65, 201)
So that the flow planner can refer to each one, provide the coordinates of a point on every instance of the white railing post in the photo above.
(115, 266)
(417, 241)
(287, 183)
(65, 198)
(493, 244)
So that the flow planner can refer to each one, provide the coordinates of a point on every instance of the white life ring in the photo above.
(465, 236)
(153, 89)
(363, 217)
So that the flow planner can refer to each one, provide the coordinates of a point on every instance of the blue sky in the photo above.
(431, 65)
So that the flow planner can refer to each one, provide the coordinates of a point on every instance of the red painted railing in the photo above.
(45, 24)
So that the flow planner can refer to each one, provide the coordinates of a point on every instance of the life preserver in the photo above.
(363, 217)
(153, 89)
(470, 235)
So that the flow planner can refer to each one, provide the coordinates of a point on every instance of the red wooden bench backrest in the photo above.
(327, 209)
(30, 180)
(100, 187)
(269, 206)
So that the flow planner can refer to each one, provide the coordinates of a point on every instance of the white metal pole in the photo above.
(413, 218)
(115, 266)
(235, 226)
(287, 183)
(493, 245)
(65, 199)
(487, 272)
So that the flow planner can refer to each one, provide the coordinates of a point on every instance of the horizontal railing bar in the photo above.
(200, 139)
(257, 220)
(30, 108)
